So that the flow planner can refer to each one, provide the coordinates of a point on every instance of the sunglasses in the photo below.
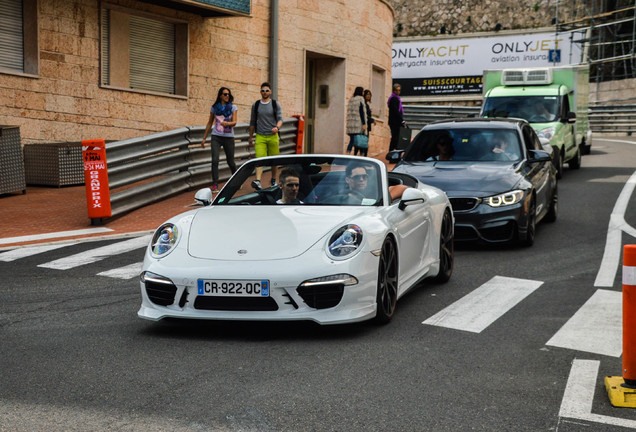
(225, 94)
(265, 91)
(360, 177)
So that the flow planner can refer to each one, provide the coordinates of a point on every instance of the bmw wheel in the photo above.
(446, 249)
(553, 211)
(531, 227)
(386, 297)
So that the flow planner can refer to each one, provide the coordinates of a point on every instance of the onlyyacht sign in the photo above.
(434, 66)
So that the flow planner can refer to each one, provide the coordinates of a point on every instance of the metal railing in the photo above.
(147, 169)
(614, 119)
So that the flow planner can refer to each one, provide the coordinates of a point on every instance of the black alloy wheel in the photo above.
(531, 227)
(386, 296)
(446, 249)
(553, 211)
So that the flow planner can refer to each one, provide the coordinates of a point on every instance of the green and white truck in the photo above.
(554, 100)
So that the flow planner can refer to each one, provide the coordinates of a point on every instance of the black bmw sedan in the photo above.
(500, 180)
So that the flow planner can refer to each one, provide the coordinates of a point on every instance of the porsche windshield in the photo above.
(320, 180)
(534, 109)
(474, 144)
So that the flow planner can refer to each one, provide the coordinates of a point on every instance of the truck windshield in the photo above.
(534, 109)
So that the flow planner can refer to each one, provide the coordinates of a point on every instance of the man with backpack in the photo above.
(266, 120)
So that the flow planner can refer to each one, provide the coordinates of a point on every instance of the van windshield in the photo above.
(534, 109)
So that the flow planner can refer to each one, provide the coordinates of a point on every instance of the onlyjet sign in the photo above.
(455, 66)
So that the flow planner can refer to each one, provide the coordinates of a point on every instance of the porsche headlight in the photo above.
(505, 199)
(345, 241)
(164, 239)
(547, 133)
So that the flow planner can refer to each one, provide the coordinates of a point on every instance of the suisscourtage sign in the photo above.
(430, 67)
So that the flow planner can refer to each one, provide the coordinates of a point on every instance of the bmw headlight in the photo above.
(345, 241)
(504, 199)
(547, 133)
(164, 239)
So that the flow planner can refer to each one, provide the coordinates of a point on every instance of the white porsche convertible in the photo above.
(337, 239)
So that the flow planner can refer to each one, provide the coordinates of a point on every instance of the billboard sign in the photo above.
(439, 67)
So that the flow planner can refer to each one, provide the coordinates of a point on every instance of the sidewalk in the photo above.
(52, 212)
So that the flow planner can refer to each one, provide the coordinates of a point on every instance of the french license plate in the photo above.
(233, 288)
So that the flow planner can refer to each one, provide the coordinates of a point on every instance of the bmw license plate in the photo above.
(233, 288)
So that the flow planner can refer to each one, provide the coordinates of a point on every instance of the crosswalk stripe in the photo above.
(24, 252)
(597, 327)
(58, 234)
(126, 272)
(477, 310)
(97, 254)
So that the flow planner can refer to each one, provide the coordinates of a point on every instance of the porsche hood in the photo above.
(261, 233)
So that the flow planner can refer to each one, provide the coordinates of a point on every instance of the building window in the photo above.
(378, 99)
(19, 36)
(143, 53)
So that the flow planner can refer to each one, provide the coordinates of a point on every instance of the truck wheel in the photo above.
(575, 162)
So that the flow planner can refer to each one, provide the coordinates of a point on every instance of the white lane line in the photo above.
(24, 252)
(613, 244)
(97, 254)
(597, 327)
(126, 272)
(579, 395)
(477, 310)
(615, 140)
(53, 235)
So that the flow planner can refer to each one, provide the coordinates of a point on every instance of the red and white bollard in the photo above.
(622, 390)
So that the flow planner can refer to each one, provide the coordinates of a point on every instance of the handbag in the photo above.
(361, 141)
(404, 139)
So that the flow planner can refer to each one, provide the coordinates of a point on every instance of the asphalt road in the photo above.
(75, 357)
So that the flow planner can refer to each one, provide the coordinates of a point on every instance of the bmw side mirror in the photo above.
(203, 197)
(411, 196)
(394, 156)
(539, 156)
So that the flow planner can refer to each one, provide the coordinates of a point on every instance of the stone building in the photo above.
(88, 69)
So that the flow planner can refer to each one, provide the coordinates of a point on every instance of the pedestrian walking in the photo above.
(223, 118)
(356, 120)
(265, 122)
(396, 115)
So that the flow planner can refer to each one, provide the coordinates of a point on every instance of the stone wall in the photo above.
(435, 17)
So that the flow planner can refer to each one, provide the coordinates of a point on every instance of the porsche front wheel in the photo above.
(386, 296)
(446, 249)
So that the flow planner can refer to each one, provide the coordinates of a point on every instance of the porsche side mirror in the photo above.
(203, 197)
(411, 196)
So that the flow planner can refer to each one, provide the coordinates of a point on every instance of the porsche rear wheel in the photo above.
(386, 296)
(446, 249)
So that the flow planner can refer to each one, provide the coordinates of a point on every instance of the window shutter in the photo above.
(152, 55)
(105, 46)
(11, 38)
